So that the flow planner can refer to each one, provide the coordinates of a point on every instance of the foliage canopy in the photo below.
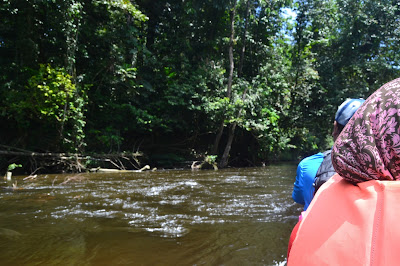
(189, 77)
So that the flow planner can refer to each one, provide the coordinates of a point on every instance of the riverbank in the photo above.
(30, 162)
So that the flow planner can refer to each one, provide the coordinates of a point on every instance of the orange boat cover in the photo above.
(350, 225)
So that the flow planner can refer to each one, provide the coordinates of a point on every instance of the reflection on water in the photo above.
(225, 217)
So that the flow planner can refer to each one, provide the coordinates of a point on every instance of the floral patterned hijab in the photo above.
(369, 146)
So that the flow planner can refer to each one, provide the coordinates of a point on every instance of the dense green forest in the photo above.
(166, 82)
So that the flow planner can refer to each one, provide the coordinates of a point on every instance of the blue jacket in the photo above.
(303, 190)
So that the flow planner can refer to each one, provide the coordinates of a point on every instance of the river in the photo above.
(232, 216)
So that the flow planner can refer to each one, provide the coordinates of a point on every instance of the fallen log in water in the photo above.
(108, 170)
(72, 162)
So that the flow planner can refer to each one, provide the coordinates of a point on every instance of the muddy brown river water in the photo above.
(178, 217)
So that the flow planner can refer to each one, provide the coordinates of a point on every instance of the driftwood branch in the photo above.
(106, 170)
(38, 154)
(72, 161)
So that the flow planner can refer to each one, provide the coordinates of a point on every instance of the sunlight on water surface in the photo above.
(180, 217)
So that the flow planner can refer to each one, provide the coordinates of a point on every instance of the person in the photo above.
(314, 170)
(353, 217)
(345, 111)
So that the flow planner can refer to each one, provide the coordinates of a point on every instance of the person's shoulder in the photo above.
(316, 156)
(311, 162)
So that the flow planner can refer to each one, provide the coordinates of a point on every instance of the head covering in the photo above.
(347, 109)
(369, 146)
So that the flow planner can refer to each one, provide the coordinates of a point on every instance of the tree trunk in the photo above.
(217, 139)
(231, 63)
(230, 78)
(240, 68)
(224, 158)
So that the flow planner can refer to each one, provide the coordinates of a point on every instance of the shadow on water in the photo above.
(226, 217)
